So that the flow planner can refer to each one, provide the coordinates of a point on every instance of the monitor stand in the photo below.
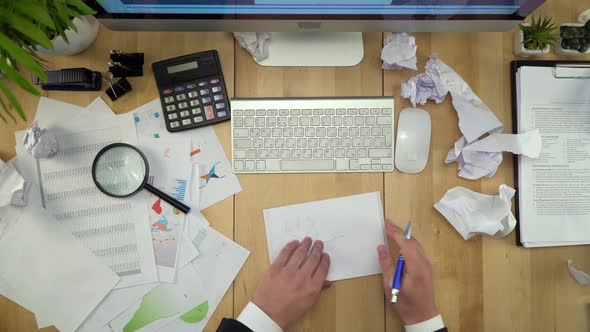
(299, 49)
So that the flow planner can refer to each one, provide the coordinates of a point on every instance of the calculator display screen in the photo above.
(182, 67)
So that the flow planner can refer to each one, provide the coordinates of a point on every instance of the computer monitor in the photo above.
(318, 16)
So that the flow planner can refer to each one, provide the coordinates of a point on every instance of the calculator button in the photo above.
(196, 111)
(222, 114)
(194, 102)
(204, 83)
(182, 105)
(184, 114)
(204, 92)
(179, 89)
(170, 108)
(181, 96)
(186, 122)
(220, 106)
(172, 116)
(193, 94)
(191, 86)
(216, 89)
(218, 97)
(214, 81)
(209, 112)
(168, 100)
(167, 91)
(198, 119)
(174, 124)
(206, 100)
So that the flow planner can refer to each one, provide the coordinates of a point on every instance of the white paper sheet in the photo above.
(200, 287)
(256, 43)
(554, 199)
(51, 272)
(472, 213)
(482, 157)
(581, 277)
(351, 228)
(216, 179)
(13, 187)
(399, 52)
(69, 193)
(55, 112)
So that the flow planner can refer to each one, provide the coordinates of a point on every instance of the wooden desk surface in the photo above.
(481, 284)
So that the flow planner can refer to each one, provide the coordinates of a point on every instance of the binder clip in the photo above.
(125, 70)
(117, 89)
(134, 59)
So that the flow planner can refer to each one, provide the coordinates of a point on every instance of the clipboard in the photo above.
(564, 65)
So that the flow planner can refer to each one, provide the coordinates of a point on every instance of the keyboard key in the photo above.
(340, 153)
(179, 88)
(182, 105)
(318, 153)
(341, 164)
(332, 132)
(184, 114)
(306, 154)
(238, 113)
(214, 81)
(326, 121)
(329, 111)
(193, 94)
(312, 143)
(368, 141)
(260, 165)
(340, 111)
(216, 89)
(315, 121)
(271, 122)
(288, 132)
(351, 153)
(283, 112)
(353, 131)
(191, 86)
(388, 140)
(364, 111)
(285, 154)
(318, 112)
(260, 122)
(263, 154)
(387, 167)
(170, 108)
(369, 120)
(343, 132)
(206, 100)
(241, 133)
(304, 121)
(172, 116)
(299, 132)
(386, 111)
(239, 165)
(204, 92)
(320, 132)
(383, 120)
(198, 119)
(204, 83)
(354, 164)
(274, 154)
(277, 132)
(291, 143)
(265, 132)
(239, 153)
(242, 143)
(376, 131)
(258, 143)
(282, 122)
(348, 121)
(295, 112)
(375, 161)
(295, 153)
(365, 131)
(362, 153)
(376, 167)
(167, 91)
(269, 143)
(379, 142)
(251, 154)
(365, 167)
(324, 143)
(357, 142)
(249, 113)
(359, 121)
(306, 112)
(186, 122)
(180, 97)
(375, 111)
(309, 132)
(335, 142)
(301, 143)
(194, 102)
(220, 106)
(352, 111)
(250, 165)
(248, 122)
(329, 153)
(260, 112)
(280, 143)
(307, 165)
(346, 142)
(293, 122)
(209, 112)
(168, 100)
(380, 153)
(272, 112)
(337, 121)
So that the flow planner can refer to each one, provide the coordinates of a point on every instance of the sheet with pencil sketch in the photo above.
(351, 227)
(113, 229)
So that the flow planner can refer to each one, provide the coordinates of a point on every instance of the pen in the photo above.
(399, 269)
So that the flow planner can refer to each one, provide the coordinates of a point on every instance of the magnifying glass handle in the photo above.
(178, 205)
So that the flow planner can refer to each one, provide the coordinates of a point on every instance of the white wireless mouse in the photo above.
(413, 140)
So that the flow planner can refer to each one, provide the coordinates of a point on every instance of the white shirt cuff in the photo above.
(431, 325)
(257, 320)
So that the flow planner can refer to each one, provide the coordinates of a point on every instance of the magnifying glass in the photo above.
(121, 170)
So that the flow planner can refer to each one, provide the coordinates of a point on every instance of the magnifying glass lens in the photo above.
(120, 171)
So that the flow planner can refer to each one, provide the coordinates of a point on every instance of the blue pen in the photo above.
(399, 269)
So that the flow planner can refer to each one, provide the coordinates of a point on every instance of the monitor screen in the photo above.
(475, 8)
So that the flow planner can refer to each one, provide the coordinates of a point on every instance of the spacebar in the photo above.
(307, 165)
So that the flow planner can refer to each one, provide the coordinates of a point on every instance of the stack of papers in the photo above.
(554, 204)
(84, 261)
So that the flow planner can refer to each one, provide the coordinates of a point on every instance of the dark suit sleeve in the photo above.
(444, 329)
(232, 325)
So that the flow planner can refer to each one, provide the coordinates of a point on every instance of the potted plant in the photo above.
(534, 38)
(574, 39)
(24, 27)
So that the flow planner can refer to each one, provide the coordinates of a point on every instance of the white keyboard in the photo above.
(312, 135)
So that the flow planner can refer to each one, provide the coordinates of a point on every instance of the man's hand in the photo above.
(415, 302)
(293, 282)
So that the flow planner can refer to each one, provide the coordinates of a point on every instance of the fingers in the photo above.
(319, 276)
(394, 233)
(327, 284)
(386, 262)
(285, 254)
(313, 260)
(299, 255)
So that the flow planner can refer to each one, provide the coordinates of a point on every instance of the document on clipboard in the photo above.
(554, 190)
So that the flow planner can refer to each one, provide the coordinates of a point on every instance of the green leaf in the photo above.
(83, 9)
(2, 117)
(35, 11)
(17, 77)
(27, 28)
(6, 110)
(16, 52)
(196, 314)
(12, 99)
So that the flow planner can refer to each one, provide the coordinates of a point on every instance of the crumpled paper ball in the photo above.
(40, 143)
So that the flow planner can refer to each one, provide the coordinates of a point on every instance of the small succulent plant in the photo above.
(576, 38)
(539, 33)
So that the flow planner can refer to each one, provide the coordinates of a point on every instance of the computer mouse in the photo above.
(413, 140)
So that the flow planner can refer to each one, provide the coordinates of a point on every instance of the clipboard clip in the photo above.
(576, 71)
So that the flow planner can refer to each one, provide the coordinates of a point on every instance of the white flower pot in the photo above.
(562, 51)
(521, 51)
(77, 41)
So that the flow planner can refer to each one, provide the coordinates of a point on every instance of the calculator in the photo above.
(192, 91)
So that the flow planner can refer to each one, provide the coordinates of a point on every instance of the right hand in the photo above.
(292, 284)
(415, 302)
